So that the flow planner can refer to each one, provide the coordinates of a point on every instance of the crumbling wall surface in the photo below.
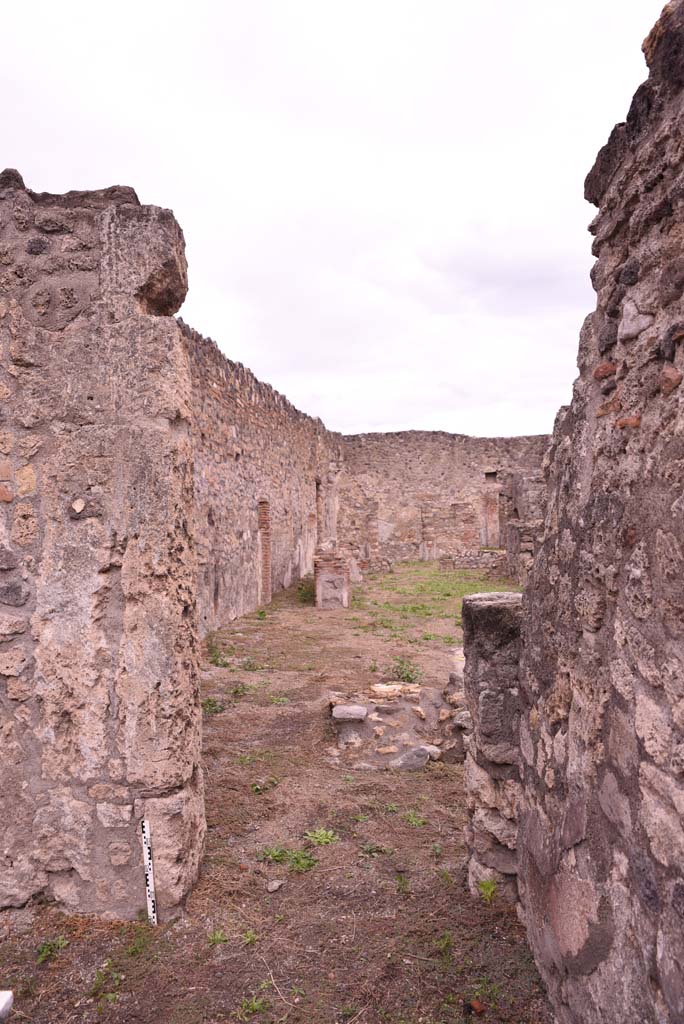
(601, 835)
(521, 520)
(99, 709)
(424, 494)
(252, 447)
(491, 639)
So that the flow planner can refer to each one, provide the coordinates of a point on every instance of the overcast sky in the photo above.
(381, 199)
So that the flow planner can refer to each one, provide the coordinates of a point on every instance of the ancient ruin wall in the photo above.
(265, 486)
(422, 495)
(601, 835)
(99, 709)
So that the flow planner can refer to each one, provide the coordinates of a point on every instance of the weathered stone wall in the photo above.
(522, 504)
(601, 836)
(491, 635)
(99, 710)
(265, 485)
(422, 495)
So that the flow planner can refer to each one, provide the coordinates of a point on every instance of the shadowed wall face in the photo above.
(601, 836)
(98, 691)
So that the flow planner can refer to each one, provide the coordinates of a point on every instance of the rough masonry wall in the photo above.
(99, 709)
(602, 678)
(425, 494)
(491, 639)
(265, 485)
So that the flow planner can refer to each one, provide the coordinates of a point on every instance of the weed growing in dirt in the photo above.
(216, 656)
(242, 689)
(436, 851)
(403, 885)
(249, 937)
(487, 889)
(404, 670)
(278, 699)
(486, 990)
(211, 706)
(251, 1006)
(362, 817)
(306, 590)
(298, 861)
(49, 949)
(391, 808)
(321, 836)
(217, 937)
(264, 787)
(374, 666)
(446, 876)
(414, 819)
(373, 850)
(444, 946)
(141, 940)
(250, 665)
(106, 984)
(261, 614)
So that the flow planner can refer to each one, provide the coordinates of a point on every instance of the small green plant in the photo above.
(404, 670)
(274, 854)
(250, 665)
(449, 640)
(446, 876)
(347, 778)
(297, 992)
(278, 699)
(306, 590)
(241, 690)
(414, 819)
(321, 836)
(106, 983)
(249, 937)
(298, 861)
(250, 1006)
(211, 706)
(436, 850)
(141, 940)
(373, 850)
(263, 787)
(217, 937)
(361, 817)
(261, 614)
(49, 949)
(487, 888)
(391, 808)
(403, 885)
(374, 666)
(216, 655)
(444, 946)
(486, 990)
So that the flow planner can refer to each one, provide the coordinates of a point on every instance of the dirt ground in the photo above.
(373, 922)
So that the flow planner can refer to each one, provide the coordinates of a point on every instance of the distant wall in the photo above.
(422, 495)
(265, 485)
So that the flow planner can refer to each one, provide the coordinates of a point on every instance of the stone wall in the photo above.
(422, 495)
(522, 505)
(265, 485)
(491, 635)
(99, 708)
(601, 836)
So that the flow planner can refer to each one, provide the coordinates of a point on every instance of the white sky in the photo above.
(381, 199)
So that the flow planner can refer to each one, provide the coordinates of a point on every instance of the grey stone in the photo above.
(349, 712)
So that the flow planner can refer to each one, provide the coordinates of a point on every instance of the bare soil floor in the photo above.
(373, 923)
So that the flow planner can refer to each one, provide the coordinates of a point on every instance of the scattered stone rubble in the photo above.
(400, 726)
